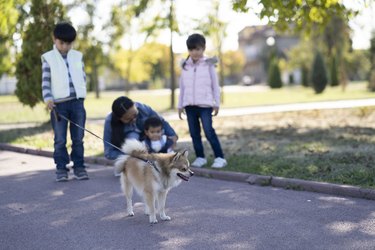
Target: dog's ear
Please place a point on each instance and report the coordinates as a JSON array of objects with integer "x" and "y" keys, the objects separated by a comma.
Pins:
[
  {"x": 176, "y": 156},
  {"x": 185, "y": 153}
]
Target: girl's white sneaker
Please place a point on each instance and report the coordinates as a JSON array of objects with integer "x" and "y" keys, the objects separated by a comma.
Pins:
[
  {"x": 219, "y": 163},
  {"x": 199, "y": 162}
]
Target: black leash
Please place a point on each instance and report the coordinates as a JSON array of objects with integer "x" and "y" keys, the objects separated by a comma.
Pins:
[{"x": 59, "y": 116}]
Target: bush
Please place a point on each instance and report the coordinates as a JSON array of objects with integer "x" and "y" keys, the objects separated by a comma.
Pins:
[
  {"x": 274, "y": 76},
  {"x": 319, "y": 74}
]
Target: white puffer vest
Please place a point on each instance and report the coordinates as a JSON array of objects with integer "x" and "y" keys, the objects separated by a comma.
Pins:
[{"x": 59, "y": 73}]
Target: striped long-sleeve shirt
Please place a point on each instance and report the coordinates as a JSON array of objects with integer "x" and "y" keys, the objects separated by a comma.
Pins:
[{"x": 46, "y": 82}]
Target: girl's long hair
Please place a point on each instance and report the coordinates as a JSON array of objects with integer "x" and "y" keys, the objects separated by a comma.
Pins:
[{"x": 119, "y": 107}]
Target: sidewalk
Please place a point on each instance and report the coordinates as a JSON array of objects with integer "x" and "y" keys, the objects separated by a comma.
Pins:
[
  {"x": 252, "y": 179},
  {"x": 342, "y": 104},
  {"x": 287, "y": 183}
]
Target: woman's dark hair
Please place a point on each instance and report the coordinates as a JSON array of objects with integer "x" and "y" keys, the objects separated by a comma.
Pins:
[
  {"x": 119, "y": 107},
  {"x": 194, "y": 41},
  {"x": 65, "y": 32}
]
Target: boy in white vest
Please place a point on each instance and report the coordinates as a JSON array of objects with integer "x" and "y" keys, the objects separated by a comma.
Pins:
[{"x": 64, "y": 90}]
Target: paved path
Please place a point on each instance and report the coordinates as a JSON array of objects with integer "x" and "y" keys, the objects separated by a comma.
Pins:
[
  {"x": 288, "y": 107},
  {"x": 38, "y": 213}
]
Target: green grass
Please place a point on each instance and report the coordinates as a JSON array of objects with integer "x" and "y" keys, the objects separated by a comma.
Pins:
[
  {"x": 14, "y": 112},
  {"x": 332, "y": 146}
]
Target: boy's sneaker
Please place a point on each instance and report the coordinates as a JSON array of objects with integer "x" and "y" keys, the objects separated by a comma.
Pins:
[
  {"x": 199, "y": 162},
  {"x": 80, "y": 174},
  {"x": 219, "y": 163},
  {"x": 61, "y": 175}
]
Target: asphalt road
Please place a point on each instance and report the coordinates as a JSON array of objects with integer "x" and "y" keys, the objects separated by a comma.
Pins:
[{"x": 38, "y": 213}]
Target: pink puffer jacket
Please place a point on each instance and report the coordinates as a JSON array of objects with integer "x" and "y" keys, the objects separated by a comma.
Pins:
[{"x": 199, "y": 85}]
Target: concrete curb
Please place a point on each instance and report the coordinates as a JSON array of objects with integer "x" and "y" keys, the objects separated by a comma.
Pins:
[{"x": 253, "y": 179}]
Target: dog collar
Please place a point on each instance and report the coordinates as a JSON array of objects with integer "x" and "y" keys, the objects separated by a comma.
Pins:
[{"x": 151, "y": 163}]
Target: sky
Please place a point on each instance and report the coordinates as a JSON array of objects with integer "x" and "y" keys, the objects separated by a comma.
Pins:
[{"x": 362, "y": 25}]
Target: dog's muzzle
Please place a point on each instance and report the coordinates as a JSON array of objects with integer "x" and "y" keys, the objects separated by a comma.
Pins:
[{"x": 184, "y": 177}]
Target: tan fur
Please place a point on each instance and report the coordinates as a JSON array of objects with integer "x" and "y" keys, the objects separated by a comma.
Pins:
[{"x": 152, "y": 182}]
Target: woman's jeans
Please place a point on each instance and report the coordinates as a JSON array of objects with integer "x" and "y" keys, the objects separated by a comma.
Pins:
[
  {"x": 194, "y": 113},
  {"x": 75, "y": 111}
]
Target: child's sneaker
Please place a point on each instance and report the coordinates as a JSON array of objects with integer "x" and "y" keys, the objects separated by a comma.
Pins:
[
  {"x": 199, "y": 162},
  {"x": 219, "y": 163},
  {"x": 80, "y": 174},
  {"x": 61, "y": 175}
]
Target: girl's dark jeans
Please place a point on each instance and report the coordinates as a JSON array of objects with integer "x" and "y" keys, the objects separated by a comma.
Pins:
[{"x": 194, "y": 114}]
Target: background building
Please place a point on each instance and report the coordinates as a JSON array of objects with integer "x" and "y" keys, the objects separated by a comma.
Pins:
[{"x": 258, "y": 44}]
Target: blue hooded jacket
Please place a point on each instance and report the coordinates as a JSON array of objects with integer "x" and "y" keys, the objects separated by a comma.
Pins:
[{"x": 132, "y": 130}]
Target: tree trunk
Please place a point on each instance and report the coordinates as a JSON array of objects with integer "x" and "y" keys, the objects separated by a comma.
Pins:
[{"x": 172, "y": 56}]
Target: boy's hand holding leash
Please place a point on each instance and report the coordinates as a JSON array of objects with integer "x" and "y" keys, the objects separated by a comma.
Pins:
[{"x": 50, "y": 105}]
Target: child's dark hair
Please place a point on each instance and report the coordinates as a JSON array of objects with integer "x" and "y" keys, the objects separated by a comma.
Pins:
[
  {"x": 152, "y": 122},
  {"x": 65, "y": 32},
  {"x": 194, "y": 41},
  {"x": 119, "y": 107}
]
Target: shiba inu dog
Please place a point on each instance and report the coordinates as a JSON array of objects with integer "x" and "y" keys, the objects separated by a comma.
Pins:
[{"x": 151, "y": 175}]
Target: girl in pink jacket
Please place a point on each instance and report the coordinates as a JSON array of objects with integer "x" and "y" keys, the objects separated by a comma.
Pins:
[{"x": 200, "y": 99}]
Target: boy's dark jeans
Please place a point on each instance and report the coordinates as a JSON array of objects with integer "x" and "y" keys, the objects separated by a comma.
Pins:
[
  {"x": 75, "y": 111},
  {"x": 194, "y": 114}
]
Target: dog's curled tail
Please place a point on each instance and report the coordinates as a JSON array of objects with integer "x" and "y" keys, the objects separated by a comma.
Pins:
[{"x": 131, "y": 147}]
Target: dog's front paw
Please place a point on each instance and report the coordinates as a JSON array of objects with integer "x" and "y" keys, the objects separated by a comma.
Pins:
[
  {"x": 153, "y": 220},
  {"x": 130, "y": 214},
  {"x": 165, "y": 217}
]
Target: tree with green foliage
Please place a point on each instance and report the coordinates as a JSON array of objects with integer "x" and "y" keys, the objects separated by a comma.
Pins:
[
  {"x": 274, "y": 76},
  {"x": 358, "y": 65},
  {"x": 152, "y": 23},
  {"x": 233, "y": 63},
  {"x": 90, "y": 46},
  {"x": 9, "y": 17},
  {"x": 214, "y": 28},
  {"x": 304, "y": 15},
  {"x": 37, "y": 39},
  {"x": 124, "y": 24},
  {"x": 148, "y": 63},
  {"x": 319, "y": 78}
]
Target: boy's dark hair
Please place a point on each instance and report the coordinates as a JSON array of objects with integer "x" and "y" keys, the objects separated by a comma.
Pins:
[
  {"x": 195, "y": 41},
  {"x": 65, "y": 32},
  {"x": 119, "y": 108},
  {"x": 152, "y": 122}
]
